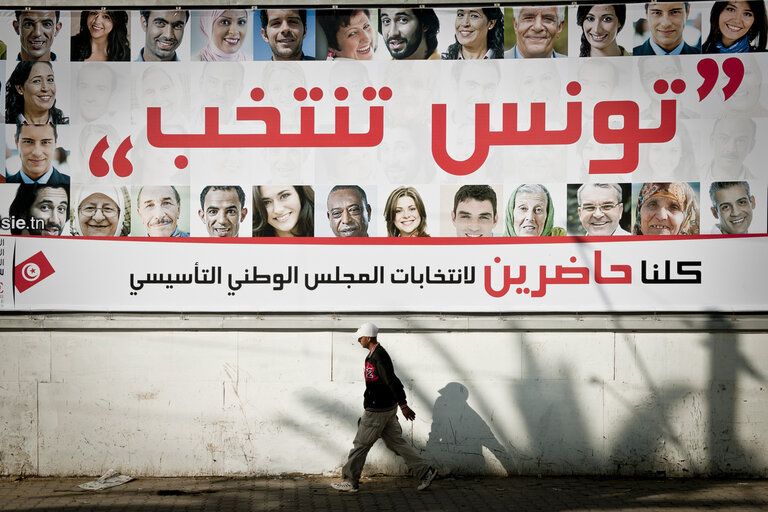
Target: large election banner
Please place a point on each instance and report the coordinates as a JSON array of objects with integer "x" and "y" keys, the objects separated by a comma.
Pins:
[{"x": 499, "y": 159}]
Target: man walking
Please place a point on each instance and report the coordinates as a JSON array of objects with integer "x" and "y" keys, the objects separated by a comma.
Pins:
[{"x": 383, "y": 393}]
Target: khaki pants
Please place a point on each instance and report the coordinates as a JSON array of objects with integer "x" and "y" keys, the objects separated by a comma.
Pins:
[{"x": 375, "y": 425}]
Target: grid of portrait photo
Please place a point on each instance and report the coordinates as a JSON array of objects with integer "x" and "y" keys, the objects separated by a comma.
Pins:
[{"x": 361, "y": 122}]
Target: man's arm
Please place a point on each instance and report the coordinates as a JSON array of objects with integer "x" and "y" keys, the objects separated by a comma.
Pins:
[{"x": 387, "y": 374}]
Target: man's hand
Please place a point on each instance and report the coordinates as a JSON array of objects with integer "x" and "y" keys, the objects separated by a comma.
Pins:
[{"x": 408, "y": 413}]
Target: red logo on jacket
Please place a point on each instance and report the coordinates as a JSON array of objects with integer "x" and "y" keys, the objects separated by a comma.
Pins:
[{"x": 370, "y": 372}]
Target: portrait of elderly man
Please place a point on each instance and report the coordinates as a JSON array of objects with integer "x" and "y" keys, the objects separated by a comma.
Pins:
[
  {"x": 600, "y": 208},
  {"x": 667, "y": 22},
  {"x": 159, "y": 209},
  {"x": 474, "y": 211},
  {"x": 732, "y": 140},
  {"x": 349, "y": 212},
  {"x": 537, "y": 29},
  {"x": 44, "y": 208},
  {"x": 37, "y": 30},
  {"x": 733, "y": 207},
  {"x": 284, "y": 30},
  {"x": 222, "y": 209},
  {"x": 410, "y": 34},
  {"x": 36, "y": 144},
  {"x": 163, "y": 32}
]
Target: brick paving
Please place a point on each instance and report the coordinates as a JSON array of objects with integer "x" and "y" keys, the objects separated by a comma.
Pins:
[{"x": 313, "y": 493}]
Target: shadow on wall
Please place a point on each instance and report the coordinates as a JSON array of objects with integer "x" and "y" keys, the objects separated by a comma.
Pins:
[
  {"x": 668, "y": 426},
  {"x": 459, "y": 434}
]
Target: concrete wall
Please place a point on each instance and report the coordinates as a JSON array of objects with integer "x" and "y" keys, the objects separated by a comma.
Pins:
[{"x": 169, "y": 395}]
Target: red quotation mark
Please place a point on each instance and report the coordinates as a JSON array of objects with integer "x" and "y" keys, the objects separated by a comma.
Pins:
[
  {"x": 100, "y": 167},
  {"x": 31, "y": 271},
  {"x": 733, "y": 68}
]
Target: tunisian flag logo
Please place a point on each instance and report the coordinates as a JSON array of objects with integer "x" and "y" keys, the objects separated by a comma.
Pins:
[{"x": 31, "y": 271}]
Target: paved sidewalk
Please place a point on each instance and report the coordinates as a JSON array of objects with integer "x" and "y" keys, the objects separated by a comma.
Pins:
[{"x": 386, "y": 494}]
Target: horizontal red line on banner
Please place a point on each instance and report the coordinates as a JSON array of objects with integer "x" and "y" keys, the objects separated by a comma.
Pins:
[{"x": 501, "y": 240}]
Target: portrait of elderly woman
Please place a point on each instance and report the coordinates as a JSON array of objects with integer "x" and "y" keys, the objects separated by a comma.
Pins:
[
  {"x": 479, "y": 34},
  {"x": 103, "y": 36},
  {"x": 666, "y": 209},
  {"x": 283, "y": 210},
  {"x": 224, "y": 36},
  {"x": 30, "y": 95},
  {"x": 600, "y": 24},
  {"x": 101, "y": 210},
  {"x": 736, "y": 27},
  {"x": 405, "y": 213},
  {"x": 349, "y": 33},
  {"x": 530, "y": 212}
]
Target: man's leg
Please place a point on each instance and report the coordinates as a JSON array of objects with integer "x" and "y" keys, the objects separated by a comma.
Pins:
[
  {"x": 392, "y": 435},
  {"x": 368, "y": 431}
]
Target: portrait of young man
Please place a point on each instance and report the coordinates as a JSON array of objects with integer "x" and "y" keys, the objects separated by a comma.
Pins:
[
  {"x": 410, "y": 34},
  {"x": 474, "y": 212},
  {"x": 163, "y": 34},
  {"x": 36, "y": 144},
  {"x": 37, "y": 31},
  {"x": 667, "y": 22},
  {"x": 222, "y": 209},
  {"x": 733, "y": 206},
  {"x": 44, "y": 208},
  {"x": 286, "y": 31}
]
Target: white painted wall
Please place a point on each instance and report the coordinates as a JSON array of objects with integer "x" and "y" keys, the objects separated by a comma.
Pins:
[{"x": 581, "y": 399}]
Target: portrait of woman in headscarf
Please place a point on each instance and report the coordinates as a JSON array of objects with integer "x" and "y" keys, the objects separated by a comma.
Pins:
[
  {"x": 530, "y": 212},
  {"x": 666, "y": 209},
  {"x": 225, "y": 35}
]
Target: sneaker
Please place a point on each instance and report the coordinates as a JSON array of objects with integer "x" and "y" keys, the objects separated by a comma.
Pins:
[
  {"x": 427, "y": 479},
  {"x": 346, "y": 486}
]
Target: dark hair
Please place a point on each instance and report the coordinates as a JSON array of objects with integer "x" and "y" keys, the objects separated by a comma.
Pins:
[
  {"x": 757, "y": 32},
  {"x": 581, "y": 15},
  {"x": 236, "y": 188},
  {"x": 495, "y": 39},
  {"x": 476, "y": 192},
  {"x": 717, "y": 186},
  {"x": 19, "y": 13},
  {"x": 356, "y": 188},
  {"x": 264, "y": 15},
  {"x": 305, "y": 225},
  {"x": 25, "y": 198},
  {"x": 118, "y": 48},
  {"x": 145, "y": 14},
  {"x": 331, "y": 20},
  {"x": 14, "y": 102},
  {"x": 19, "y": 126},
  {"x": 687, "y": 5},
  {"x": 427, "y": 18}
]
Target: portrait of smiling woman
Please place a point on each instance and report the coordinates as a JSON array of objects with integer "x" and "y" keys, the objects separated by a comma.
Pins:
[
  {"x": 30, "y": 95},
  {"x": 224, "y": 35},
  {"x": 101, "y": 210},
  {"x": 600, "y": 24},
  {"x": 103, "y": 36},
  {"x": 530, "y": 212},
  {"x": 405, "y": 213},
  {"x": 283, "y": 210},
  {"x": 349, "y": 33},
  {"x": 666, "y": 209},
  {"x": 479, "y": 34},
  {"x": 736, "y": 27}
]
